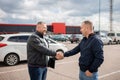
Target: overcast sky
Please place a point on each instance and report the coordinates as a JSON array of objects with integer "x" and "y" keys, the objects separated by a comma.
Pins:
[{"x": 71, "y": 12}]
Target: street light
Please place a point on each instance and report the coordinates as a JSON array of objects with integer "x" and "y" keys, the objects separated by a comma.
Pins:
[
  {"x": 99, "y": 15},
  {"x": 111, "y": 12}
]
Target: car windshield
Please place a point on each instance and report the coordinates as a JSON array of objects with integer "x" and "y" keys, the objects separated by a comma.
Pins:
[
  {"x": 111, "y": 34},
  {"x": 118, "y": 34},
  {"x": 1, "y": 38}
]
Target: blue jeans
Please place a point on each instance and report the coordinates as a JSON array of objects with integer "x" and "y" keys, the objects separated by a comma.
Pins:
[
  {"x": 82, "y": 76},
  {"x": 37, "y": 73}
]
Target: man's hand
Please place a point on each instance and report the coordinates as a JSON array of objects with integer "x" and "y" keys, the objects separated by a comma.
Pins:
[
  {"x": 88, "y": 73},
  {"x": 59, "y": 55}
]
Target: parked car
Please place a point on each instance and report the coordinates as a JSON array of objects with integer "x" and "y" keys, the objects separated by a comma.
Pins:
[
  {"x": 105, "y": 39},
  {"x": 115, "y": 37},
  {"x": 13, "y": 47},
  {"x": 59, "y": 38},
  {"x": 76, "y": 38}
]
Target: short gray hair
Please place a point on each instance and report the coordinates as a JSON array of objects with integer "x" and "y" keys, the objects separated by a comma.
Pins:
[
  {"x": 88, "y": 22},
  {"x": 40, "y": 22}
]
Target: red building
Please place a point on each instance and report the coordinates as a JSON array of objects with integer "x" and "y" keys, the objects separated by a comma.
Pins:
[
  {"x": 59, "y": 28},
  {"x": 56, "y": 28}
]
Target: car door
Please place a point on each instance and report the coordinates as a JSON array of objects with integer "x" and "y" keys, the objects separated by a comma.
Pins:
[
  {"x": 104, "y": 39},
  {"x": 22, "y": 46},
  {"x": 52, "y": 44}
]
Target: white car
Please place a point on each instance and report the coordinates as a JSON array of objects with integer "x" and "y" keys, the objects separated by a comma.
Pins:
[
  {"x": 13, "y": 47},
  {"x": 115, "y": 36},
  {"x": 106, "y": 40}
]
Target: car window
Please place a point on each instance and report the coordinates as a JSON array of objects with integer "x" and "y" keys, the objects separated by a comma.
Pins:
[
  {"x": 18, "y": 38},
  {"x": 13, "y": 39},
  {"x": 118, "y": 34},
  {"x": 111, "y": 34},
  {"x": 23, "y": 38},
  {"x": 1, "y": 38}
]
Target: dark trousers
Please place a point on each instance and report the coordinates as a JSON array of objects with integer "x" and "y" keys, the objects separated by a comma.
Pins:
[{"x": 37, "y": 73}]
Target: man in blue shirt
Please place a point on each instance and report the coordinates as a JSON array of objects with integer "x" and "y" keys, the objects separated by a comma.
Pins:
[{"x": 91, "y": 50}]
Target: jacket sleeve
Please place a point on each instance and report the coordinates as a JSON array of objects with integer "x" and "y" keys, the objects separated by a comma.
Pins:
[
  {"x": 97, "y": 49},
  {"x": 37, "y": 44},
  {"x": 73, "y": 51}
]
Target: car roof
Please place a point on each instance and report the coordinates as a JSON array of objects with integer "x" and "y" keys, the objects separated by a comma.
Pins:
[
  {"x": 114, "y": 32},
  {"x": 17, "y": 34}
]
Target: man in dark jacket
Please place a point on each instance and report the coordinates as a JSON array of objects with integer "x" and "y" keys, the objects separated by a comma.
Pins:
[
  {"x": 38, "y": 53},
  {"x": 91, "y": 49}
]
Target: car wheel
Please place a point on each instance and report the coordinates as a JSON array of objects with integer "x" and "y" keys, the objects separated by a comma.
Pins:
[
  {"x": 59, "y": 50},
  {"x": 11, "y": 59},
  {"x": 119, "y": 42},
  {"x": 110, "y": 42},
  {"x": 71, "y": 41}
]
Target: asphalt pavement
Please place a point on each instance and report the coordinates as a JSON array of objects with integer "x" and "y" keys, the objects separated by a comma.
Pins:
[{"x": 67, "y": 69}]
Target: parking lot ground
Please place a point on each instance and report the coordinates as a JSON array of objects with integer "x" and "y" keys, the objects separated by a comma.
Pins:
[{"x": 67, "y": 69}]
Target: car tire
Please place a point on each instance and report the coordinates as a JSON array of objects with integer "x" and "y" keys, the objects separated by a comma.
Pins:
[
  {"x": 60, "y": 50},
  {"x": 71, "y": 41},
  {"x": 110, "y": 42},
  {"x": 11, "y": 59}
]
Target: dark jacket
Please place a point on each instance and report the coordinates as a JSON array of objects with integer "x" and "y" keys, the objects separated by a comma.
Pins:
[
  {"x": 37, "y": 51},
  {"x": 91, "y": 50}
]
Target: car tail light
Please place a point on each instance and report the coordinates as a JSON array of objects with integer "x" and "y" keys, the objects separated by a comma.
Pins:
[{"x": 2, "y": 45}]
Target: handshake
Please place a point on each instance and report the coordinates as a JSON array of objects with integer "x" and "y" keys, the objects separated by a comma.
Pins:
[{"x": 59, "y": 55}]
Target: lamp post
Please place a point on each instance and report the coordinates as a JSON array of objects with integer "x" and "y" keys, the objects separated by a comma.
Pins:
[
  {"x": 111, "y": 11},
  {"x": 99, "y": 15}
]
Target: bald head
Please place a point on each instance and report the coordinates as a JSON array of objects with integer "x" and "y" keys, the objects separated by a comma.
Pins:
[{"x": 41, "y": 27}]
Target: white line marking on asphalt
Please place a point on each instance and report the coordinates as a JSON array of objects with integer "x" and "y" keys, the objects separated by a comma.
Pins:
[
  {"x": 13, "y": 71},
  {"x": 26, "y": 68},
  {"x": 106, "y": 75},
  {"x": 66, "y": 62}
]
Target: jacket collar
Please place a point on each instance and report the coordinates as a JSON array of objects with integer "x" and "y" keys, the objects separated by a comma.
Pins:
[
  {"x": 39, "y": 34},
  {"x": 90, "y": 35}
]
